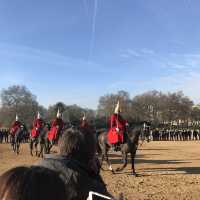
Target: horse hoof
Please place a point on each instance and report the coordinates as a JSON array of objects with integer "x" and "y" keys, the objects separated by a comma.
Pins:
[
  {"x": 103, "y": 169},
  {"x": 134, "y": 174},
  {"x": 118, "y": 169}
]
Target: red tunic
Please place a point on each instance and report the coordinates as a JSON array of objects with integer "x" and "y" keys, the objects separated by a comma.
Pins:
[
  {"x": 116, "y": 121},
  {"x": 37, "y": 124},
  {"x": 15, "y": 126},
  {"x": 56, "y": 126}
]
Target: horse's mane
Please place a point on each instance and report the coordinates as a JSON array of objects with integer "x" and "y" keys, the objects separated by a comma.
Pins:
[{"x": 101, "y": 130}]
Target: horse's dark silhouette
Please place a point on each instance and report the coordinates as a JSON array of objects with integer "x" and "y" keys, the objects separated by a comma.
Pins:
[
  {"x": 130, "y": 145},
  {"x": 41, "y": 140},
  {"x": 49, "y": 144},
  {"x": 16, "y": 139}
]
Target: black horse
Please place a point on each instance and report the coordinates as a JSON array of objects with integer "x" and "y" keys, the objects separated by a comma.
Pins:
[
  {"x": 49, "y": 144},
  {"x": 16, "y": 139},
  {"x": 41, "y": 140},
  {"x": 130, "y": 145}
]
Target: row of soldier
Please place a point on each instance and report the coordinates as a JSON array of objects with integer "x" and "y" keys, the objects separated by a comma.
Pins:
[
  {"x": 4, "y": 135},
  {"x": 175, "y": 134}
]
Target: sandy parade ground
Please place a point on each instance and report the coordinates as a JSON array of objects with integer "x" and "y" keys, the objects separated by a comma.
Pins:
[{"x": 167, "y": 170}]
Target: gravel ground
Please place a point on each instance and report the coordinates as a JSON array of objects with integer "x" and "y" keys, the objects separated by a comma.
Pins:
[{"x": 167, "y": 170}]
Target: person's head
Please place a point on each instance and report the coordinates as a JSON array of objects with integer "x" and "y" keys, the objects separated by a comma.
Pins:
[
  {"x": 31, "y": 183},
  {"x": 77, "y": 145}
]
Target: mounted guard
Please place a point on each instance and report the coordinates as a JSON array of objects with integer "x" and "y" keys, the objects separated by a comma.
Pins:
[
  {"x": 15, "y": 126},
  {"x": 38, "y": 125},
  {"x": 57, "y": 127},
  {"x": 117, "y": 130},
  {"x": 16, "y": 134}
]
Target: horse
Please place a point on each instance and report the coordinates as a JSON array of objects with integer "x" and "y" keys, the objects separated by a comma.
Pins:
[
  {"x": 16, "y": 139},
  {"x": 130, "y": 145},
  {"x": 41, "y": 139},
  {"x": 49, "y": 144}
]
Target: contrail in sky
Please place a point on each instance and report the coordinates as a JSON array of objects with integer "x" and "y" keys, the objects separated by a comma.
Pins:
[
  {"x": 93, "y": 29},
  {"x": 86, "y": 7}
]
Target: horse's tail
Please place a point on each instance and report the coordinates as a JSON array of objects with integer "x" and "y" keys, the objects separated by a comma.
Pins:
[
  {"x": 99, "y": 131},
  {"x": 99, "y": 151}
]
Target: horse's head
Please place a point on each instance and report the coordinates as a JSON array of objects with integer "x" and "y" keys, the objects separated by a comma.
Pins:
[
  {"x": 47, "y": 126},
  {"x": 141, "y": 130}
]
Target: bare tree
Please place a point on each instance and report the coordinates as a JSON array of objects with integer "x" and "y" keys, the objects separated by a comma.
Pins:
[{"x": 18, "y": 100}]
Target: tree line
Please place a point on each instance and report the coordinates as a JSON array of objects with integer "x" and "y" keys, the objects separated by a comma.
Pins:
[{"x": 152, "y": 106}]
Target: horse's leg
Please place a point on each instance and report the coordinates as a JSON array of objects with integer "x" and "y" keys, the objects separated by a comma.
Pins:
[
  {"x": 124, "y": 156},
  {"x": 102, "y": 159},
  {"x": 45, "y": 146},
  {"x": 41, "y": 144},
  {"x": 31, "y": 146},
  {"x": 48, "y": 146},
  {"x": 133, "y": 153},
  {"x": 17, "y": 145},
  {"x": 14, "y": 144},
  {"x": 105, "y": 153},
  {"x": 100, "y": 149},
  {"x": 41, "y": 149},
  {"x": 36, "y": 144}
]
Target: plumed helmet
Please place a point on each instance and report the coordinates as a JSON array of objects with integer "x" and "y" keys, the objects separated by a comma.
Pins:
[
  {"x": 16, "y": 118},
  {"x": 117, "y": 108},
  {"x": 38, "y": 115},
  {"x": 84, "y": 116},
  {"x": 58, "y": 114}
]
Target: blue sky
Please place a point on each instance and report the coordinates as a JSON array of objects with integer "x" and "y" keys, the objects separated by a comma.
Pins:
[{"x": 78, "y": 50}]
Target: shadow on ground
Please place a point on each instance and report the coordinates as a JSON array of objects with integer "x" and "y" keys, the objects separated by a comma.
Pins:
[{"x": 116, "y": 160}]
